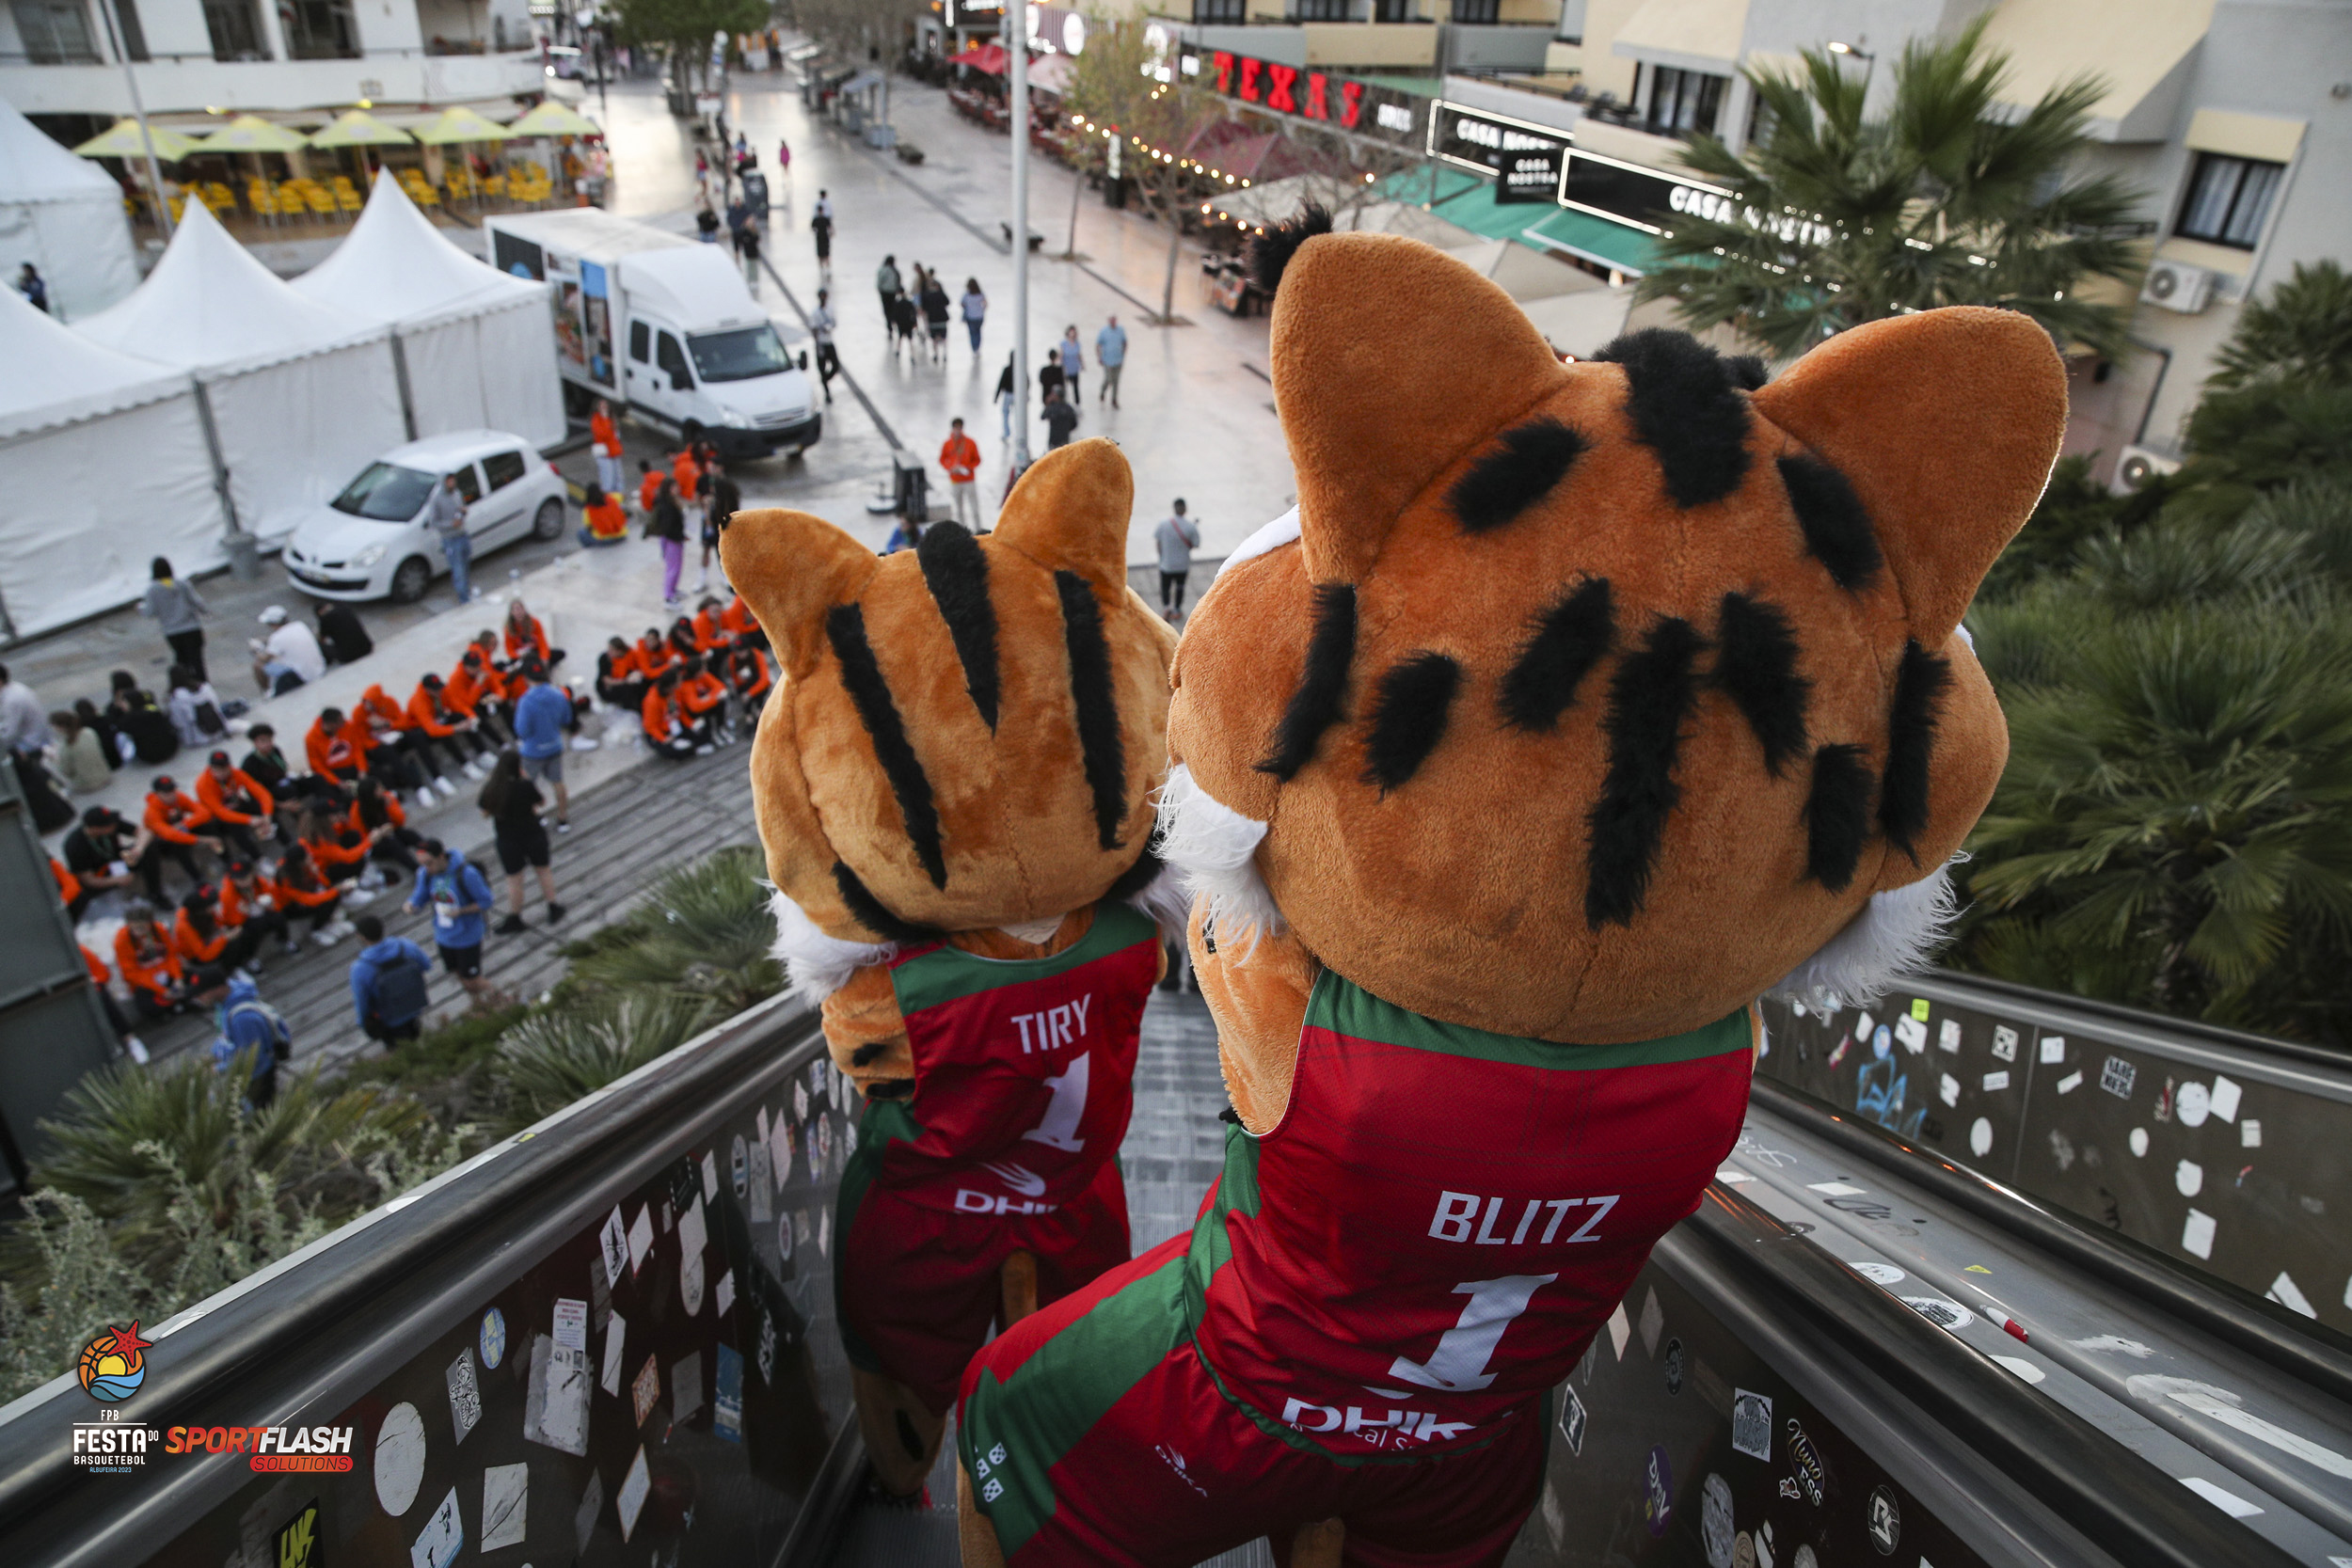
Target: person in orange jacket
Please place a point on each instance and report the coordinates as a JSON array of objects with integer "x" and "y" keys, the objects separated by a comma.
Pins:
[
  {"x": 394, "y": 729},
  {"x": 251, "y": 903},
  {"x": 605, "y": 436},
  {"x": 739, "y": 623},
  {"x": 172, "y": 820},
  {"x": 747, "y": 670},
  {"x": 307, "y": 894},
  {"x": 475, "y": 692},
  {"x": 665, "y": 731},
  {"x": 439, "y": 720},
  {"x": 236, "y": 800},
  {"x": 210, "y": 949},
  {"x": 69, "y": 889},
  {"x": 702, "y": 697},
  {"x": 524, "y": 634},
  {"x": 98, "y": 974},
  {"x": 710, "y": 633},
  {"x": 340, "y": 852},
  {"x": 159, "y": 987},
  {"x": 960, "y": 456},
  {"x": 373, "y": 807},
  {"x": 649, "y": 486},
  {"x": 620, "y": 680},
  {"x": 689, "y": 474},
  {"x": 331, "y": 750},
  {"x": 653, "y": 653}
]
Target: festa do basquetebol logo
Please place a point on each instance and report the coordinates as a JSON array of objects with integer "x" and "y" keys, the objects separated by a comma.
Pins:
[{"x": 113, "y": 1367}]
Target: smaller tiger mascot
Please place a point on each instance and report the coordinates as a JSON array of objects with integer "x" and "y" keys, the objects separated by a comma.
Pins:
[
  {"x": 1576, "y": 707},
  {"x": 953, "y": 784}
]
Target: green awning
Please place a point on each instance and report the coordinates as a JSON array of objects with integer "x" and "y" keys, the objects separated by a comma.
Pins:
[
  {"x": 1417, "y": 86},
  {"x": 1430, "y": 182},
  {"x": 1480, "y": 212},
  {"x": 1611, "y": 244}
]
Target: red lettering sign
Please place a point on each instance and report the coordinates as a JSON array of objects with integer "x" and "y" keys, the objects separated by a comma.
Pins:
[
  {"x": 1249, "y": 69},
  {"x": 1317, "y": 108},
  {"x": 1224, "y": 71},
  {"x": 1351, "y": 102},
  {"x": 1279, "y": 79}
]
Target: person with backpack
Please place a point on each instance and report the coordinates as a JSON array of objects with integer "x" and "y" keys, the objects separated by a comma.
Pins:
[
  {"x": 460, "y": 898},
  {"x": 195, "y": 709},
  {"x": 249, "y": 1024},
  {"x": 388, "y": 984}
]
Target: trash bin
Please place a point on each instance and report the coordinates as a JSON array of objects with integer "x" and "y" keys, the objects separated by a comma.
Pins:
[
  {"x": 755, "y": 191},
  {"x": 914, "y": 487},
  {"x": 244, "y": 555},
  {"x": 881, "y": 135}
]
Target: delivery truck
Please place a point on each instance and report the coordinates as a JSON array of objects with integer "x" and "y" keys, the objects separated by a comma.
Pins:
[{"x": 663, "y": 326}]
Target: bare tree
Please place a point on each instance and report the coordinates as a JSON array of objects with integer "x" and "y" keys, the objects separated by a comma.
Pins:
[{"x": 1116, "y": 97}]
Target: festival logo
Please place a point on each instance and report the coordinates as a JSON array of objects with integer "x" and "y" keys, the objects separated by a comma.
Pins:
[{"x": 112, "y": 1368}]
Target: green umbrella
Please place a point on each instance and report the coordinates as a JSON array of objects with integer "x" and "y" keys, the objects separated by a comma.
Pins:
[
  {"x": 461, "y": 126},
  {"x": 252, "y": 133},
  {"x": 551, "y": 119},
  {"x": 359, "y": 128},
  {"x": 122, "y": 141}
]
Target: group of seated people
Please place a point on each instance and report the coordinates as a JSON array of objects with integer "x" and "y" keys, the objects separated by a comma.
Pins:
[
  {"x": 680, "y": 683},
  {"x": 296, "y": 843}
]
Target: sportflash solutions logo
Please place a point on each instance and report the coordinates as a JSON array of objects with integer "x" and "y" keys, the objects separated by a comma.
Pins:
[{"x": 112, "y": 1368}]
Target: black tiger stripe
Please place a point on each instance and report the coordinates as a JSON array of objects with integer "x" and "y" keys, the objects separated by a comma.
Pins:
[
  {"x": 1836, "y": 815},
  {"x": 1755, "y": 664},
  {"x": 1137, "y": 876},
  {"x": 955, "y": 569},
  {"x": 1686, "y": 405},
  {"x": 1091, "y": 690},
  {"x": 1919, "y": 688},
  {"x": 1570, "y": 637},
  {"x": 844, "y": 627},
  {"x": 872, "y": 913},
  {"x": 1520, "y": 471},
  {"x": 1650, "y": 698},
  {"x": 1836, "y": 525},
  {"x": 1315, "y": 706},
  {"x": 1408, "y": 715}
]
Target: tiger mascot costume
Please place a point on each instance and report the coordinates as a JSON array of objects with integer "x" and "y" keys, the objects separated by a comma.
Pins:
[
  {"x": 1574, "y": 708},
  {"x": 954, "y": 788}
]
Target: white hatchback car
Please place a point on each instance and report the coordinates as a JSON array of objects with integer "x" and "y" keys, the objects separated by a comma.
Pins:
[{"x": 372, "y": 543}]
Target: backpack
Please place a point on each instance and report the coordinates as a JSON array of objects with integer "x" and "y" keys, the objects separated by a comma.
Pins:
[
  {"x": 399, "y": 993},
  {"x": 280, "y": 1039}
]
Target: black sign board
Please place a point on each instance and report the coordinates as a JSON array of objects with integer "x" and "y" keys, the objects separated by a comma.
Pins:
[
  {"x": 1524, "y": 159},
  {"x": 1649, "y": 200}
]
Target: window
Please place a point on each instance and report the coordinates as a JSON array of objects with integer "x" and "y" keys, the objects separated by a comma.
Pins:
[
  {"x": 639, "y": 342},
  {"x": 2227, "y": 199},
  {"x": 134, "y": 33},
  {"x": 1221, "y": 11},
  {"x": 744, "y": 353},
  {"x": 1478, "y": 13},
  {"x": 384, "y": 493},
  {"x": 468, "y": 485},
  {"x": 54, "y": 32},
  {"x": 1319, "y": 10},
  {"x": 501, "y": 470},
  {"x": 1683, "y": 102},
  {"x": 673, "y": 362},
  {"x": 236, "y": 30},
  {"x": 1394, "y": 10},
  {"x": 319, "y": 29}
]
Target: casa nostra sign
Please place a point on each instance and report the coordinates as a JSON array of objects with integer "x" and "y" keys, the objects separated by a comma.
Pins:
[
  {"x": 1524, "y": 159},
  {"x": 1648, "y": 200}
]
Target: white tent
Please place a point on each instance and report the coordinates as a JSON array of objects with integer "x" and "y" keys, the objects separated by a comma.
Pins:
[
  {"x": 303, "y": 395},
  {"x": 62, "y": 214},
  {"x": 480, "y": 345},
  {"x": 108, "y": 468}
]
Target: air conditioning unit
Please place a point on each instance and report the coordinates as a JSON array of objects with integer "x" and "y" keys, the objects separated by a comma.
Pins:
[
  {"x": 2177, "y": 286},
  {"x": 2139, "y": 465}
]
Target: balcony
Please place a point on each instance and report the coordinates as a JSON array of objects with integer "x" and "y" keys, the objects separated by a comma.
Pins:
[
  {"x": 170, "y": 83},
  {"x": 1409, "y": 46}
]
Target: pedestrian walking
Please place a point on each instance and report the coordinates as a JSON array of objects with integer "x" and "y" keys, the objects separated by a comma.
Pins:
[
  {"x": 935, "y": 307},
  {"x": 668, "y": 524},
  {"x": 747, "y": 241},
  {"x": 461, "y": 901},
  {"x": 33, "y": 287},
  {"x": 887, "y": 287},
  {"x": 445, "y": 515},
  {"x": 784, "y": 157},
  {"x": 1073, "y": 362},
  {"x": 975, "y": 305},
  {"x": 721, "y": 499},
  {"x": 1050, "y": 375},
  {"x": 1110, "y": 352},
  {"x": 820, "y": 225},
  {"x": 960, "y": 456},
  {"x": 248, "y": 1023},
  {"x": 388, "y": 984},
  {"x": 289, "y": 657},
  {"x": 1004, "y": 397},
  {"x": 705, "y": 225},
  {"x": 513, "y": 803},
  {"x": 542, "y": 716},
  {"x": 178, "y": 610},
  {"x": 1178, "y": 536},
  {"x": 820, "y": 328},
  {"x": 1061, "y": 416},
  {"x": 605, "y": 436}
]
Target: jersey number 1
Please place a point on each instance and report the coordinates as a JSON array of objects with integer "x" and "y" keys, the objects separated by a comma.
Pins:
[
  {"x": 1060, "y": 1126},
  {"x": 1459, "y": 1365}
]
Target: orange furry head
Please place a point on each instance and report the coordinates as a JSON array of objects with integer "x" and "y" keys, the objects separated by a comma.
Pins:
[
  {"x": 1594, "y": 699},
  {"x": 968, "y": 733}
]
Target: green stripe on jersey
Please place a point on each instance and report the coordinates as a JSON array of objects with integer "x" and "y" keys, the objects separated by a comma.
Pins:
[
  {"x": 886, "y": 1122},
  {"x": 948, "y": 973},
  {"x": 1344, "y": 1007},
  {"x": 1012, "y": 1434}
]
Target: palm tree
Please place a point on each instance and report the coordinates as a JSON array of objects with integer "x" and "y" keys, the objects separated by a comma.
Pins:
[
  {"x": 2302, "y": 332},
  {"x": 1947, "y": 201}
]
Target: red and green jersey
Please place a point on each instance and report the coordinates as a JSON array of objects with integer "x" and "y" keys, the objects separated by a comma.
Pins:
[
  {"x": 1023, "y": 1068},
  {"x": 1443, "y": 1218}
]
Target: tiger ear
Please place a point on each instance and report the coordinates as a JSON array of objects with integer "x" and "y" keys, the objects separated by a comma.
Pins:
[
  {"x": 1390, "y": 360},
  {"x": 792, "y": 568},
  {"x": 1947, "y": 425},
  {"x": 1069, "y": 511}
]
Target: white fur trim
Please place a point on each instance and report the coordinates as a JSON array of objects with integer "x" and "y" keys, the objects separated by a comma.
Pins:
[
  {"x": 817, "y": 965},
  {"x": 1213, "y": 849},
  {"x": 1034, "y": 932},
  {"x": 1166, "y": 901},
  {"x": 1282, "y": 530},
  {"x": 1895, "y": 935}
]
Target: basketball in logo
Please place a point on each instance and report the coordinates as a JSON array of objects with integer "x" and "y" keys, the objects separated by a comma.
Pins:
[{"x": 111, "y": 1368}]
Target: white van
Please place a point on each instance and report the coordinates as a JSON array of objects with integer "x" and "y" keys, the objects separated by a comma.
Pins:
[{"x": 665, "y": 326}]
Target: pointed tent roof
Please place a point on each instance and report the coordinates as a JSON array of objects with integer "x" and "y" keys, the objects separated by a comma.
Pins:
[
  {"x": 34, "y": 169},
  {"x": 50, "y": 375},
  {"x": 210, "y": 306},
  {"x": 395, "y": 266}
]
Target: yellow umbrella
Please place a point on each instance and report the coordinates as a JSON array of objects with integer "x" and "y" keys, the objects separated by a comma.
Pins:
[
  {"x": 551, "y": 119},
  {"x": 461, "y": 126},
  {"x": 359, "y": 128},
  {"x": 252, "y": 133},
  {"x": 122, "y": 141}
]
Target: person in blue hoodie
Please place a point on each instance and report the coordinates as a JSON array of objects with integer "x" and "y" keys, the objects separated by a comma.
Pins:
[
  {"x": 387, "y": 987},
  {"x": 458, "y": 894},
  {"x": 248, "y": 1023}
]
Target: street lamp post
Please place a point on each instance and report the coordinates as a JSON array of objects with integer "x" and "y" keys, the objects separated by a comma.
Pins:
[
  {"x": 1870, "y": 63},
  {"x": 1017, "y": 24}
]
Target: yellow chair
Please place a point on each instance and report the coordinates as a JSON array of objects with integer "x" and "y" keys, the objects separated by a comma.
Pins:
[
  {"x": 321, "y": 202},
  {"x": 346, "y": 197},
  {"x": 178, "y": 204},
  {"x": 494, "y": 185},
  {"x": 425, "y": 195}
]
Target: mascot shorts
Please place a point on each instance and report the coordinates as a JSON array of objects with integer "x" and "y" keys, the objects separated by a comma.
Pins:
[
  {"x": 919, "y": 1289},
  {"x": 1093, "y": 1433}
]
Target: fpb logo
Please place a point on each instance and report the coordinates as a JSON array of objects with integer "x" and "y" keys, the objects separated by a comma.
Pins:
[{"x": 111, "y": 1368}]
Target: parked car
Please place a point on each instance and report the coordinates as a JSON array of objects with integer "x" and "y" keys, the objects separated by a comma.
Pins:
[{"x": 370, "y": 542}]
